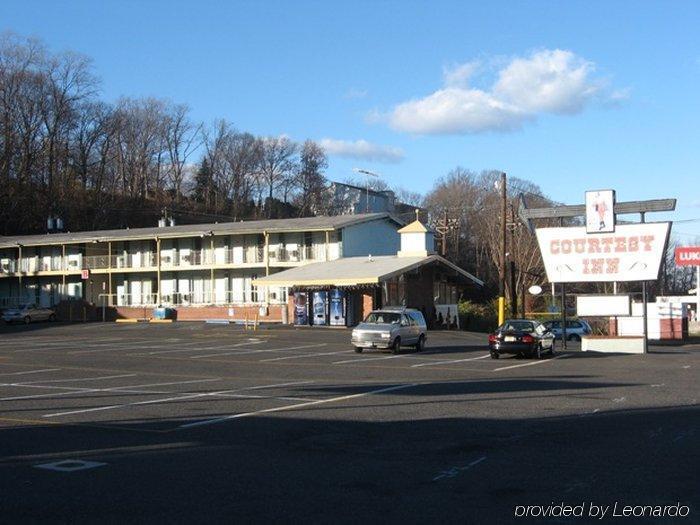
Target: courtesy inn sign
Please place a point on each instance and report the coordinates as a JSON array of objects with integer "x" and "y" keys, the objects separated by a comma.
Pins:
[{"x": 632, "y": 253}]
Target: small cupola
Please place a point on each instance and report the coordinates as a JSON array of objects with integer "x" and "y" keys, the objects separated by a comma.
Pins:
[{"x": 416, "y": 240}]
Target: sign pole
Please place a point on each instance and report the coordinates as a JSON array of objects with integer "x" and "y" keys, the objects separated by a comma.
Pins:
[
  {"x": 697, "y": 292},
  {"x": 645, "y": 318},
  {"x": 563, "y": 315}
]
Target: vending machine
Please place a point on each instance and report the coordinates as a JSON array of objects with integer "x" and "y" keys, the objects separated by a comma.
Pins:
[
  {"x": 301, "y": 313},
  {"x": 337, "y": 310},
  {"x": 320, "y": 301}
]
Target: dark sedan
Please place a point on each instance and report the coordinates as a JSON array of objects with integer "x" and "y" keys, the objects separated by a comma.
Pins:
[{"x": 521, "y": 337}]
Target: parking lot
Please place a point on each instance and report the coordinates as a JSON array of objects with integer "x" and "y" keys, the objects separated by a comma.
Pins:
[{"x": 198, "y": 422}]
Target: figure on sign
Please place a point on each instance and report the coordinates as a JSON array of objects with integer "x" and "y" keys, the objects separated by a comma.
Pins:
[{"x": 600, "y": 208}]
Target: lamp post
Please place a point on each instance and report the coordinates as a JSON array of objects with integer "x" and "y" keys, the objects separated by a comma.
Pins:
[{"x": 369, "y": 174}]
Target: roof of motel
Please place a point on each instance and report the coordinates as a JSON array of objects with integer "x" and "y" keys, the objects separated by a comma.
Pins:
[
  {"x": 303, "y": 224},
  {"x": 352, "y": 271}
]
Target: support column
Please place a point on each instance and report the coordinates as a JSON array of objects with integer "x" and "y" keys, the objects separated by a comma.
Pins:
[
  {"x": 64, "y": 269},
  {"x": 158, "y": 296},
  {"x": 328, "y": 242},
  {"x": 19, "y": 274},
  {"x": 109, "y": 273},
  {"x": 211, "y": 271},
  {"x": 266, "y": 255}
]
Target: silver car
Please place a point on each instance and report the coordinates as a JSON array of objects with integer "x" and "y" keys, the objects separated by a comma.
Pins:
[
  {"x": 26, "y": 313},
  {"x": 389, "y": 328}
]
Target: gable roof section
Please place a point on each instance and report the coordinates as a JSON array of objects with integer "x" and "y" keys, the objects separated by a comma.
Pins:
[
  {"x": 304, "y": 224},
  {"x": 351, "y": 271}
]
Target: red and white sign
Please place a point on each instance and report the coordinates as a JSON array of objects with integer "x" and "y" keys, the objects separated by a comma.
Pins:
[
  {"x": 85, "y": 274},
  {"x": 688, "y": 256},
  {"x": 632, "y": 253}
]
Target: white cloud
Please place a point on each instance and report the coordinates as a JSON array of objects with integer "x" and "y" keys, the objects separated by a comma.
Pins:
[
  {"x": 546, "y": 82},
  {"x": 362, "y": 150},
  {"x": 354, "y": 93},
  {"x": 458, "y": 75}
]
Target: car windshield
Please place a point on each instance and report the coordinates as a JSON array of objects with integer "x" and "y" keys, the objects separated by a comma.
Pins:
[
  {"x": 518, "y": 326},
  {"x": 383, "y": 318}
]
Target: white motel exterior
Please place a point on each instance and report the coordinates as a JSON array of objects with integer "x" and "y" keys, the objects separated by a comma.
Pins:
[{"x": 202, "y": 271}]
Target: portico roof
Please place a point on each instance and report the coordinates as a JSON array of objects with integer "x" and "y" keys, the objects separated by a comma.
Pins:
[{"x": 353, "y": 271}]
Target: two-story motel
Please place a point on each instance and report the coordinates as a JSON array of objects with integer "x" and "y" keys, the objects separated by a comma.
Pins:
[{"x": 203, "y": 271}]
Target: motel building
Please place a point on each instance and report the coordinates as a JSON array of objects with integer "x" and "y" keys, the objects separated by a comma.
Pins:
[{"x": 227, "y": 271}]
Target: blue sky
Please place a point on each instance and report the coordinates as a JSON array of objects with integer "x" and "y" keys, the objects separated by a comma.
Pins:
[{"x": 570, "y": 95}]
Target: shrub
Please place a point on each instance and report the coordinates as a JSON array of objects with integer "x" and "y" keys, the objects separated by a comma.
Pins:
[{"x": 477, "y": 317}]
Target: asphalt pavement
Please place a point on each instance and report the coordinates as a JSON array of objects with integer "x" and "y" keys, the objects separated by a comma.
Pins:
[{"x": 197, "y": 423}]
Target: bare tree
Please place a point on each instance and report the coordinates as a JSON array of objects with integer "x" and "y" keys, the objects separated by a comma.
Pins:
[
  {"x": 310, "y": 179},
  {"x": 277, "y": 165}
]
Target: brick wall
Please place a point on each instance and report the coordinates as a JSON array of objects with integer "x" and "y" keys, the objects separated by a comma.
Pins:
[
  {"x": 367, "y": 304},
  {"x": 202, "y": 313}
]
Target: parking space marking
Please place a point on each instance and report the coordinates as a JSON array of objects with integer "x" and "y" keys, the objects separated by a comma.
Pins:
[
  {"x": 531, "y": 363},
  {"x": 292, "y": 407},
  {"x": 300, "y": 356},
  {"x": 64, "y": 346},
  {"x": 368, "y": 359},
  {"x": 193, "y": 343},
  {"x": 76, "y": 379},
  {"x": 450, "y": 362},
  {"x": 181, "y": 397},
  {"x": 267, "y": 350},
  {"x": 31, "y": 372},
  {"x": 79, "y": 390}
]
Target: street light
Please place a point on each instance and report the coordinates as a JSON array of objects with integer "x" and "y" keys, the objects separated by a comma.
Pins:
[{"x": 369, "y": 174}]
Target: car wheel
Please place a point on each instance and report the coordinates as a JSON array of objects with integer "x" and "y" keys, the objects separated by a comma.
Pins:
[
  {"x": 52, "y": 318},
  {"x": 574, "y": 337},
  {"x": 494, "y": 355},
  {"x": 420, "y": 345},
  {"x": 27, "y": 319},
  {"x": 396, "y": 347},
  {"x": 358, "y": 350}
]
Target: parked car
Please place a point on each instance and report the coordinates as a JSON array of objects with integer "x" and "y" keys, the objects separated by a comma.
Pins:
[
  {"x": 391, "y": 328},
  {"x": 26, "y": 313},
  {"x": 574, "y": 329},
  {"x": 522, "y": 337}
]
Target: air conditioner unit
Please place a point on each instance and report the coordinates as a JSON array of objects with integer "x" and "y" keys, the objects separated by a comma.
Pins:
[
  {"x": 166, "y": 259},
  {"x": 72, "y": 263}
]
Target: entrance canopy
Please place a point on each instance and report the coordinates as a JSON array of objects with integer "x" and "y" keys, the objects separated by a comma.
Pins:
[{"x": 354, "y": 271}]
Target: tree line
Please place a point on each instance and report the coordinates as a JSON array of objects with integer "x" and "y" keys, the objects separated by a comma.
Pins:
[{"x": 66, "y": 152}]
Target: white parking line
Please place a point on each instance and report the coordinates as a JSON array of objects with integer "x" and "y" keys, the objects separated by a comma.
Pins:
[
  {"x": 74, "y": 344},
  {"x": 369, "y": 359},
  {"x": 450, "y": 362},
  {"x": 77, "y": 390},
  {"x": 300, "y": 356},
  {"x": 76, "y": 379},
  {"x": 31, "y": 372},
  {"x": 532, "y": 363},
  {"x": 175, "y": 398},
  {"x": 222, "y": 347},
  {"x": 266, "y": 350},
  {"x": 292, "y": 407}
]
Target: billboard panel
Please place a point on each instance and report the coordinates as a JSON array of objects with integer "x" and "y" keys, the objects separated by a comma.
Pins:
[
  {"x": 632, "y": 253},
  {"x": 688, "y": 256},
  {"x": 600, "y": 215},
  {"x": 603, "y": 305}
]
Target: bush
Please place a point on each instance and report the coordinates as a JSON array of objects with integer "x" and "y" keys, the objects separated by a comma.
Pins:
[{"x": 477, "y": 317}]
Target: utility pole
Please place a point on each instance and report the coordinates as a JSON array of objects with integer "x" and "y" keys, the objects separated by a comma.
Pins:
[
  {"x": 444, "y": 228},
  {"x": 502, "y": 276}
]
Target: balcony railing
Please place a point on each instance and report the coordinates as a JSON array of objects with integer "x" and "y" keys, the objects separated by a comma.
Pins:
[
  {"x": 300, "y": 254},
  {"x": 173, "y": 259}
]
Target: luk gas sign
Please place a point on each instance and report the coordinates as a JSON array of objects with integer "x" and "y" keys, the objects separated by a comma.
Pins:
[
  {"x": 632, "y": 253},
  {"x": 688, "y": 256}
]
